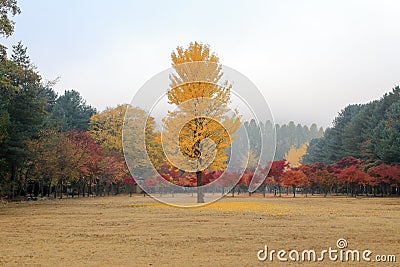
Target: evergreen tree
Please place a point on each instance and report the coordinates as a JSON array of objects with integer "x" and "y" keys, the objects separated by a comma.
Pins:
[
  {"x": 70, "y": 111},
  {"x": 369, "y": 132}
]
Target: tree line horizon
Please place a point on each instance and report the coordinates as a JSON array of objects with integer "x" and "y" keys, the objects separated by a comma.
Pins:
[
  {"x": 58, "y": 145},
  {"x": 68, "y": 147}
]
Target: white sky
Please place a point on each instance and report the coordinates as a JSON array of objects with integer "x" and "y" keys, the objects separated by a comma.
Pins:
[{"x": 309, "y": 58}]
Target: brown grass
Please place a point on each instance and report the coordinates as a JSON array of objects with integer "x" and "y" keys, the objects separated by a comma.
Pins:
[{"x": 137, "y": 231}]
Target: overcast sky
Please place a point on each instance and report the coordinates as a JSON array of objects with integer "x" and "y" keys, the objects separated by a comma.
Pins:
[{"x": 309, "y": 58}]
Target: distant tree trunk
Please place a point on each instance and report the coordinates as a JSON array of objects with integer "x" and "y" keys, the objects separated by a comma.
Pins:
[
  {"x": 294, "y": 191},
  {"x": 98, "y": 187},
  {"x": 49, "y": 189},
  {"x": 61, "y": 188},
  {"x": 42, "y": 189},
  {"x": 13, "y": 173},
  {"x": 263, "y": 189},
  {"x": 117, "y": 188},
  {"x": 200, "y": 195}
]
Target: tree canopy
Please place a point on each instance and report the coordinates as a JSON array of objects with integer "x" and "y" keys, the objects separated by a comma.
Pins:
[
  {"x": 369, "y": 132},
  {"x": 199, "y": 132}
]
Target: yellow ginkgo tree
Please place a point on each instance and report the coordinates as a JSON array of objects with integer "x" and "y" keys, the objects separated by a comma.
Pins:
[
  {"x": 294, "y": 156},
  {"x": 199, "y": 131},
  {"x": 106, "y": 128}
]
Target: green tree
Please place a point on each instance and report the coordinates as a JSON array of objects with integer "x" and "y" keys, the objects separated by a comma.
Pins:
[
  {"x": 369, "y": 132},
  {"x": 387, "y": 136},
  {"x": 70, "y": 112},
  {"x": 22, "y": 110},
  {"x": 8, "y": 8}
]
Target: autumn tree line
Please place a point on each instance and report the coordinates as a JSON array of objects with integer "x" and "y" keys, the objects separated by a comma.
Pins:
[
  {"x": 359, "y": 155},
  {"x": 348, "y": 176},
  {"x": 59, "y": 145},
  {"x": 48, "y": 142},
  {"x": 44, "y": 138}
]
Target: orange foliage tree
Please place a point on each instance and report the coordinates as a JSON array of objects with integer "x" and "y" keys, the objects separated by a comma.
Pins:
[{"x": 295, "y": 179}]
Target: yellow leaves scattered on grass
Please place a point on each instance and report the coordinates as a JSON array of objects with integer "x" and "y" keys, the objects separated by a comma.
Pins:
[
  {"x": 258, "y": 207},
  {"x": 275, "y": 209}
]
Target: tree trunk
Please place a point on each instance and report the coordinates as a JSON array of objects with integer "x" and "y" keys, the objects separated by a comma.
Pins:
[
  {"x": 98, "y": 188},
  {"x": 13, "y": 170},
  {"x": 200, "y": 195},
  {"x": 61, "y": 189},
  {"x": 294, "y": 191},
  {"x": 49, "y": 189},
  {"x": 41, "y": 189},
  {"x": 117, "y": 188}
]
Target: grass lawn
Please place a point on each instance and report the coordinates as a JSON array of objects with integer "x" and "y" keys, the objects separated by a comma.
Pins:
[{"x": 138, "y": 231}]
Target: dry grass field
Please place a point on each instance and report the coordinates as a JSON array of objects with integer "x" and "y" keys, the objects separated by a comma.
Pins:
[{"x": 138, "y": 231}]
